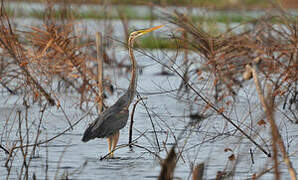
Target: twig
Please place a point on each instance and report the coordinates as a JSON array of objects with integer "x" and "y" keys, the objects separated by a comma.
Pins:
[
  {"x": 37, "y": 133},
  {"x": 47, "y": 159},
  {"x": 131, "y": 122},
  {"x": 257, "y": 176},
  {"x": 60, "y": 161},
  {"x": 5, "y": 150},
  {"x": 151, "y": 152},
  {"x": 69, "y": 123},
  {"x": 150, "y": 121},
  {"x": 7, "y": 88},
  {"x": 223, "y": 115},
  {"x": 54, "y": 137},
  {"x": 122, "y": 146},
  {"x": 118, "y": 147},
  {"x": 210, "y": 104},
  {"x": 251, "y": 156}
]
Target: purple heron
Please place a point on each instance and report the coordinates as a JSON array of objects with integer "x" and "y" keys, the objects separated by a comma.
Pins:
[{"x": 114, "y": 118}]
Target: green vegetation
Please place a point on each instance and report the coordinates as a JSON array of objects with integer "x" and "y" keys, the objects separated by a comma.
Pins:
[
  {"x": 73, "y": 13},
  {"x": 127, "y": 12},
  {"x": 222, "y": 18},
  {"x": 151, "y": 42},
  {"x": 217, "y": 4}
]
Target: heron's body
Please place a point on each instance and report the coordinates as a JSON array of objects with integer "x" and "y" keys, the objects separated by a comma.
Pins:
[{"x": 109, "y": 122}]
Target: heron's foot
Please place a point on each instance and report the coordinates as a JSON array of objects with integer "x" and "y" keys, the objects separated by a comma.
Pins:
[
  {"x": 111, "y": 156},
  {"x": 108, "y": 156}
]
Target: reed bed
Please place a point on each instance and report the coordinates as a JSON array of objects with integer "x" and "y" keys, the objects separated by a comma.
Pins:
[
  {"x": 224, "y": 70},
  {"x": 264, "y": 51}
]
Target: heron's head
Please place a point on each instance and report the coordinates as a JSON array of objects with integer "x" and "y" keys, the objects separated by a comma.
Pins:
[{"x": 138, "y": 33}]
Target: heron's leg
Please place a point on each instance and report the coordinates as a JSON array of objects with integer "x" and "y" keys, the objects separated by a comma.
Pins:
[
  {"x": 110, "y": 141},
  {"x": 115, "y": 141}
]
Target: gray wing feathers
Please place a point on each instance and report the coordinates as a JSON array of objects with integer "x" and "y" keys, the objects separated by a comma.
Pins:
[
  {"x": 110, "y": 121},
  {"x": 113, "y": 124}
]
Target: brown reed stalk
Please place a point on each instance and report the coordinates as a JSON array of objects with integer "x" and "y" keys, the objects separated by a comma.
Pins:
[
  {"x": 168, "y": 166},
  {"x": 226, "y": 54},
  {"x": 198, "y": 172},
  {"x": 100, "y": 73},
  {"x": 14, "y": 48},
  {"x": 276, "y": 137}
]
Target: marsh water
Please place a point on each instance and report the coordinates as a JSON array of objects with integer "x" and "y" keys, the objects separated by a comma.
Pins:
[
  {"x": 68, "y": 153},
  {"x": 169, "y": 111}
]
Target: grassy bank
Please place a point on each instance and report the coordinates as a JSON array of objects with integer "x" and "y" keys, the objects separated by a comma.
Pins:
[
  {"x": 151, "y": 42},
  {"x": 126, "y": 12},
  {"x": 222, "y": 4}
]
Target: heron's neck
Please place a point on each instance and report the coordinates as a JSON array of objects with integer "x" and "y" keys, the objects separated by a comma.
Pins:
[{"x": 134, "y": 67}]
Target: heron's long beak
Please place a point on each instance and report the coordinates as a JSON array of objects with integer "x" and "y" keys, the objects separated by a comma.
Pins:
[{"x": 151, "y": 29}]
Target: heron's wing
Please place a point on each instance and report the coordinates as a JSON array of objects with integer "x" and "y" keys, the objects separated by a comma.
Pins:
[
  {"x": 113, "y": 123},
  {"x": 110, "y": 121}
]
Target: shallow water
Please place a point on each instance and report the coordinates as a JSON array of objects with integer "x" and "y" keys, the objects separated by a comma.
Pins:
[{"x": 139, "y": 163}]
